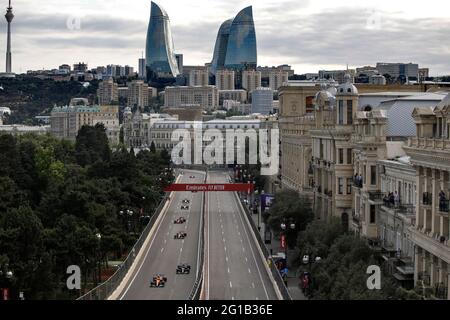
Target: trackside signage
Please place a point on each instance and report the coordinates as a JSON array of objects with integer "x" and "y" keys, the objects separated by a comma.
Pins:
[{"x": 236, "y": 187}]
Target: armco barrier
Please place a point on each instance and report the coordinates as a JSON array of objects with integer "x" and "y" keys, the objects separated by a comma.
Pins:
[
  {"x": 196, "y": 290},
  {"x": 103, "y": 291}
]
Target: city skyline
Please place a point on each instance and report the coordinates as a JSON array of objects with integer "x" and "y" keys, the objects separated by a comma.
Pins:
[{"x": 304, "y": 34}]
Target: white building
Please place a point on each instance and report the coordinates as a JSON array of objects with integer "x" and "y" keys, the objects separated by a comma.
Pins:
[{"x": 262, "y": 101}]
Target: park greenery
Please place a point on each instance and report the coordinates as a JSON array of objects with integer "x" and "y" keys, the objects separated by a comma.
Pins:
[
  {"x": 65, "y": 203},
  {"x": 343, "y": 257},
  {"x": 29, "y": 97}
]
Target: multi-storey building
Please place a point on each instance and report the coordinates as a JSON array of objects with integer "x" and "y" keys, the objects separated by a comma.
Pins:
[
  {"x": 198, "y": 78},
  {"x": 262, "y": 101},
  {"x": 225, "y": 79},
  {"x": 277, "y": 79},
  {"x": 235, "y": 95},
  {"x": 66, "y": 121},
  {"x": 430, "y": 155},
  {"x": 107, "y": 92},
  {"x": 332, "y": 160},
  {"x": 139, "y": 94},
  {"x": 394, "y": 218},
  {"x": 296, "y": 120},
  {"x": 207, "y": 97},
  {"x": 251, "y": 80}
]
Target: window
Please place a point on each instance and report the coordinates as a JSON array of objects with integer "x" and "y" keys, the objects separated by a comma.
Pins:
[
  {"x": 341, "y": 185},
  {"x": 349, "y": 185},
  {"x": 341, "y": 156},
  {"x": 349, "y": 111},
  {"x": 372, "y": 214},
  {"x": 341, "y": 112},
  {"x": 349, "y": 156},
  {"x": 373, "y": 175}
]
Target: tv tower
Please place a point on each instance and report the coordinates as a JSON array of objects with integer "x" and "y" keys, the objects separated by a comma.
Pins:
[{"x": 9, "y": 18}]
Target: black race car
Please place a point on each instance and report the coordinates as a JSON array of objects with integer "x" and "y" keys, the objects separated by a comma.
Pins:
[
  {"x": 192, "y": 177},
  {"x": 186, "y": 201},
  {"x": 180, "y": 220},
  {"x": 158, "y": 281},
  {"x": 184, "y": 207},
  {"x": 184, "y": 269},
  {"x": 180, "y": 236}
]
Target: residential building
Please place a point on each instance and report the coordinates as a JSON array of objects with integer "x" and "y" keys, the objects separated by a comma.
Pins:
[
  {"x": 207, "y": 97},
  {"x": 429, "y": 152},
  {"x": 180, "y": 62},
  {"x": 265, "y": 71},
  {"x": 109, "y": 117},
  {"x": 277, "y": 79},
  {"x": 296, "y": 119},
  {"x": 332, "y": 158},
  {"x": 397, "y": 177},
  {"x": 198, "y": 78},
  {"x": 107, "y": 92},
  {"x": 138, "y": 94},
  {"x": 225, "y": 79},
  {"x": 80, "y": 67},
  {"x": 251, "y": 80}
]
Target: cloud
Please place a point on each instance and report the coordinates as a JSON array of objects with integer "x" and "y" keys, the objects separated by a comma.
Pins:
[{"x": 287, "y": 32}]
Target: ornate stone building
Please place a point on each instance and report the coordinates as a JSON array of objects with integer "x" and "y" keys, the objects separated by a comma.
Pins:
[
  {"x": 332, "y": 151},
  {"x": 430, "y": 155}
]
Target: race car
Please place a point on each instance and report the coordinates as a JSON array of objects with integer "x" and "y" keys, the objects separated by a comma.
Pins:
[
  {"x": 184, "y": 269},
  {"x": 184, "y": 207},
  {"x": 180, "y": 221},
  {"x": 158, "y": 281},
  {"x": 192, "y": 177},
  {"x": 186, "y": 201},
  {"x": 180, "y": 236}
]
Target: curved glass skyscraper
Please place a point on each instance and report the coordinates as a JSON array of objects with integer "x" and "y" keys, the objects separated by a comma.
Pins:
[
  {"x": 220, "y": 50},
  {"x": 161, "y": 61},
  {"x": 240, "y": 51}
]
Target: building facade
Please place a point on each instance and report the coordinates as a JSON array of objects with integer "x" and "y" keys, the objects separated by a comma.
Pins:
[
  {"x": 160, "y": 56},
  {"x": 207, "y": 97},
  {"x": 277, "y": 79},
  {"x": 198, "y": 78},
  {"x": 225, "y": 79},
  {"x": 262, "y": 101},
  {"x": 107, "y": 92},
  {"x": 251, "y": 80},
  {"x": 429, "y": 152}
]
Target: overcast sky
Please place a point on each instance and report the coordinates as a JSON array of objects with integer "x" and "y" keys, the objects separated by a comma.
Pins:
[{"x": 308, "y": 34}]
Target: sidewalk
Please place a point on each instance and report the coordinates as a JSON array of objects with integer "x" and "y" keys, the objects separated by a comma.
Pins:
[{"x": 274, "y": 248}]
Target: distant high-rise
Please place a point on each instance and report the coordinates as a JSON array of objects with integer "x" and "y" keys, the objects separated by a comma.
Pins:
[
  {"x": 9, "y": 18},
  {"x": 180, "y": 62},
  {"x": 142, "y": 69},
  {"x": 236, "y": 43},
  {"x": 160, "y": 56}
]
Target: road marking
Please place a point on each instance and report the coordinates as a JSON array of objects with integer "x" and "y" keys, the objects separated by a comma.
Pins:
[
  {"x": 226, "y": 259},
  {"x": 223, "y": 239},
  {"x": 249, "y": 271},
  {"x": 243, "y": 249},
  {"x": 253, "y": 285},
  {"x": 231, "y": 285},
  {"x": 162, "y": 249},
  {"x": 246, "y": 260},
  {"x": 225, "y": 249},
  {"x": 232, "y": 298},
  {"x": 229, "y": 270}
]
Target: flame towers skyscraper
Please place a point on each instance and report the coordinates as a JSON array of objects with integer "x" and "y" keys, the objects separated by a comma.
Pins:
[
  {"x": 161, "y": 61},
  {"x": 236, "y": 46},
  {"x": 9, "y": 18}
]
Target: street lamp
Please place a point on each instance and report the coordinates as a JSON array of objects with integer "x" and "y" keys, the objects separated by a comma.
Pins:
[{"x": 99, "y": 262}]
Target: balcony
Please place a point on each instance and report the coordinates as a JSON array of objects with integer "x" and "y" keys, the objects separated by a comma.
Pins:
[
  {"x": 358, "y": 182},
  {"x": 427, "y": 199},
  {"x": 444, "y": 206},
  {"x": 377, "y": 197}
]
